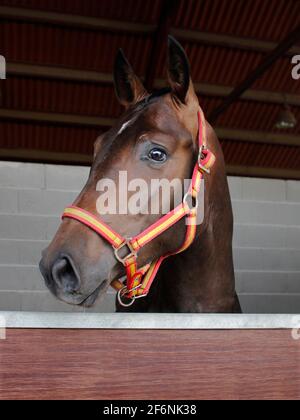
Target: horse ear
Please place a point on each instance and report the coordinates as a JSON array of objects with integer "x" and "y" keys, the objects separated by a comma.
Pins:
[
  {"x": 178, "y": 70},
  {"x": 129, "y": 89}
]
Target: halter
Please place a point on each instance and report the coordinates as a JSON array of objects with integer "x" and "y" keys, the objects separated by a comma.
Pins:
[{"x": 139, "y": 280}]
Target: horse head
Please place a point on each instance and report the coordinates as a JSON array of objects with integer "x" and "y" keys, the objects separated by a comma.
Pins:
[{"x": 155, "y": 138}]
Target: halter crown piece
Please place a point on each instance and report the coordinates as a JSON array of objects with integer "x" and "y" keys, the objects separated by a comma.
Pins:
[{"x": 139, "y": 280}]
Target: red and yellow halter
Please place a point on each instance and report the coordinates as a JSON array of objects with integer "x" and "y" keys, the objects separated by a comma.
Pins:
[{"x": 139, "y": 280}]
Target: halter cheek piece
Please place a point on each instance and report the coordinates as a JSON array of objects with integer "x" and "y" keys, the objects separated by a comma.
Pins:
[{"x": 139, "y": 280}]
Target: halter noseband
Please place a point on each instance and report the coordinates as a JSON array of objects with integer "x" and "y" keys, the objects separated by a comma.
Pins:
[{"x": 139, "y": 280}]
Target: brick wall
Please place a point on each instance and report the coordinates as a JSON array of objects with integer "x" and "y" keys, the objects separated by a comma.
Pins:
[{"x": 266, "y": 243}]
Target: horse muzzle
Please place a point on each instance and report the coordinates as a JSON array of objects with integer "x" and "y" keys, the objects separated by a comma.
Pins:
[{"x": 63, "y": 280}]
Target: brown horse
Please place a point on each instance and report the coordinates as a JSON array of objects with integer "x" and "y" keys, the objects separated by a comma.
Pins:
[{"x": 156, "y": 137}]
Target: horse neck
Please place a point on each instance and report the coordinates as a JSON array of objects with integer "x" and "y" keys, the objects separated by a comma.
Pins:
[{"x": 202, "y": 278}]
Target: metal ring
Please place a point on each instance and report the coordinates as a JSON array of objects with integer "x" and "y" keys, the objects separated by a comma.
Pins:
[
  {"x": 122, "y": 293},
  {"x": 185, "y": 200}
]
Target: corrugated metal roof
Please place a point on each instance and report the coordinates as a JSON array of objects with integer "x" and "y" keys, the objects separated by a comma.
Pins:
[
  {"x": 49, "y": 137},
  {"x": 67, "y": 47},
  {"x": 90, "y": 50},
  {"x": 66, "y": 139},
  {"x": 257, "y": 19},
  {"x": 256, "y": 116},
  {"x": 261, "y": 155},
  {"x": 59, "y": 97},
  {"x": 80, "y": 48},
  {"x": 94, "y": 99}
]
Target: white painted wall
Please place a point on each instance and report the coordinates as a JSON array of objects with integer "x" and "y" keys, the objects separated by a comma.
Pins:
[{"x": 266, "y": 244}]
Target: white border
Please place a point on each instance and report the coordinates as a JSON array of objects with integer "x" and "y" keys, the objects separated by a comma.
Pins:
[{"x": 149, "y": 321}]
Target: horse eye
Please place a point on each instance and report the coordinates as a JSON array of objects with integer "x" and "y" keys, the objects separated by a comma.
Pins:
[{"x": 158, "y": 155}]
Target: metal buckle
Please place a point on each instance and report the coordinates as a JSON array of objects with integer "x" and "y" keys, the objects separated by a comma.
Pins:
[
  {"x": 131, "y": 254},
  {"x": 189, "y": 196},
  {"x": 201, "y": 167}
]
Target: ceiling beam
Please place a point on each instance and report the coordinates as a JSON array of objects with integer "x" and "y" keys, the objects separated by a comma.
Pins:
[
  {"x": 222, "y": 133},
  {"x": 230, "y": 41},
  {"x": 264, "y": 96},
  {"x": 44, "y": 156},
  {"x": 257, "y": 136},
  {"x": 266, "y": 63},
  {"x": 60, "y": 73},
  {"x": 168, "y": 10},
  {"x": 56, "y": 118},
  {"x": 260, "y": 172},
  {"x": 85, "y": 22}
]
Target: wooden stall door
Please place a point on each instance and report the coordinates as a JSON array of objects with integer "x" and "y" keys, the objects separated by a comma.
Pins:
[{"x": 152, "y": 364}]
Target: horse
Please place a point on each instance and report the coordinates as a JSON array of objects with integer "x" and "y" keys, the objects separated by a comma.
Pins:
[{"x": 156, "y": 137}]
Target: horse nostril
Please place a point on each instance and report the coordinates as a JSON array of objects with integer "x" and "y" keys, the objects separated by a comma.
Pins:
[{"x": 65, "y": 276}]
